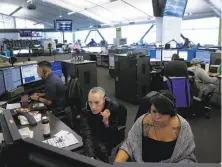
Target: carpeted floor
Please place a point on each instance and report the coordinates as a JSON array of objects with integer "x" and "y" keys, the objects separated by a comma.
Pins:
[{"x": 207, "y": 133}]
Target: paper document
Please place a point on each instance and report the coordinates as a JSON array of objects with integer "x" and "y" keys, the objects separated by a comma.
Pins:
[
  {"x": 13, "y": 106},
  {"x": 62, "y": 140},
  {"x": 61, "y": 133},
  {"x": 26, "y": 132}
]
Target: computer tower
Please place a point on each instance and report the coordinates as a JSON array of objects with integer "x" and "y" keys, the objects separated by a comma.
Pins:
[
  {"x": 132, "y": 81},
  {"x": 85, "y": 71}
]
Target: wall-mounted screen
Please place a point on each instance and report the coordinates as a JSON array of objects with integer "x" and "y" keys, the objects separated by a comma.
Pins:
[
  {"x": 25, "y": 33},
  {"x": 36, "y": 34},
  {"x": 63, "y": 25}
]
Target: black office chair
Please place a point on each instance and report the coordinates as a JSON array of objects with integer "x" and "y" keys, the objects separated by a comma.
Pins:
[
  {"x": 74, "y": 96},
  {"x": 144, "y": 105},
  {"x": 122, "y": 115},
  {"x": 199, "y": 105}
]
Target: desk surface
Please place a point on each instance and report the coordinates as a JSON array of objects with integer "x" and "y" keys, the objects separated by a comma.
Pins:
[
  {"x": 55, "y": 126},
  {"x": 132, "y": 164}
]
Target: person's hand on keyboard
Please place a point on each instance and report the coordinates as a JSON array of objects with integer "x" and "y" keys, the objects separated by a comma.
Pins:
[{"x": 35, "y": 97}]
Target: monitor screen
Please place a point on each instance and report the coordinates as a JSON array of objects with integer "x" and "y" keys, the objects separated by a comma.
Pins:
[
  {"x": 167, "y": 54},
  {"x": 25, "y": 33},
  {"x": 183, "y": 55},
  {"x": 203, "y": 56},
  {"x": 63, "y": 25},
  {"x": 12, "y": 78},
  {"x": 2, "y": 83},
  {"x": 36, "y": 34},
  {"x": 29, "y": 73},
  {"x": 175, "y": 8},
  {"x": 56, "y": 68},
  {"x": 215, "y": 59}
]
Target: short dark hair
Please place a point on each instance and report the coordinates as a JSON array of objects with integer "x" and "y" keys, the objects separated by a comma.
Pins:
[
  {"x": 44, "y": 64},
  {"x": 175, "y": 57},
  {"x": 165, "y": 103}
]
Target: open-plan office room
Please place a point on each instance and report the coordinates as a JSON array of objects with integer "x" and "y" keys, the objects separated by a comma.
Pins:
[{"x": 96, "y": 83}]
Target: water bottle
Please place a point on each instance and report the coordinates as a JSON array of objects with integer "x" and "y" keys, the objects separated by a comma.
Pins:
[{"x": 45, "y": 126}]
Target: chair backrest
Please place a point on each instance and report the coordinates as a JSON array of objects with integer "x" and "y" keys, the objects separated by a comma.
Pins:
[
  {"x": 145, "y": 105},
  {"x": 74, "y": 95},
  {"x": 180, "y": 87},
  {"x": 176, "y": 68},
  {"x": 122, "y": 115}
]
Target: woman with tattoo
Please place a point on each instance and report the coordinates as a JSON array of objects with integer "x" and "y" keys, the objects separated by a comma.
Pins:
[{"x": 161, "y": 135}]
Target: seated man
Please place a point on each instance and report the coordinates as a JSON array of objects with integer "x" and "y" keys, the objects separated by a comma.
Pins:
[
  {"x": 99, "y": 124},
  {"x": 203, "y": 81},
  {"x": 54, "y": 95}
]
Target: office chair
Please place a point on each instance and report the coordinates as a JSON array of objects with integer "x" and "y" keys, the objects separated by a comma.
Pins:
[
  {"x": 74, "y": 96},
  {"x": 122, "y": 115},
  {"x": 199, "y": 102}
]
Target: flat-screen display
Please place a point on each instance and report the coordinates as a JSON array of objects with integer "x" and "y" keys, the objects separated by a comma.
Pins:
[
  {"x": 183, "y": 55},
  {"x": 175, "y": 8},
  {"x": 56, "y": 68},
  {"x": 12, "y": 78},
  {"x": 167, "y": 54},
  {"x": 25, "y": 33},
  {"x": 36, "y": 34},
  {"x": 28, "y": 33},
  {"x": 203, "y": 56},
  {"x": 63, "y": 25},
  {"x": 29, "y": 73}
]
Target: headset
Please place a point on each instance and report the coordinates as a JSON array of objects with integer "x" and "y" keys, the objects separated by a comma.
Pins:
[{"x": 156, "y": 94}]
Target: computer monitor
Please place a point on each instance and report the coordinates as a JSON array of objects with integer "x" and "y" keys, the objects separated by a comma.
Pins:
[
  {"x": 30, "y": 152},
  {"x": 155, "y": 55},
  {"x": 29, "y": 73},
  {"x": 203, "y": 56},
  {"x": 12, "y": 78},
  {"x": 2, "y": 84},
  {"x": 56, "y": 68},
  {"x": 183, "y": 54},
  {"x": 167, "y": 54},
  {"x": 215, "y": 59}
]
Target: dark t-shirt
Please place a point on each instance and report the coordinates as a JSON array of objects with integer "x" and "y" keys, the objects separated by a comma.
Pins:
[{"x": 55, "y": 91}]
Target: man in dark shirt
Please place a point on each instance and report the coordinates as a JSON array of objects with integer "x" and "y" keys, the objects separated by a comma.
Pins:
[
  {"x": 99, "y": 124},
  {"x": 54, "y": 95}
]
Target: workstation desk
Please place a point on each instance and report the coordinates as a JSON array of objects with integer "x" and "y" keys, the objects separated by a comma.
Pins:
[{"x": 56, "y": 126}]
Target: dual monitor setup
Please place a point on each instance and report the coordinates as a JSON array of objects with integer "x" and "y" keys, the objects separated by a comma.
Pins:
[
  {"x": 14, "y": 77},
  {"x": 165, "y": 55}
]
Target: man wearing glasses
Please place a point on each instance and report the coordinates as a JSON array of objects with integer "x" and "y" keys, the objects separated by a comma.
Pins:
[{"x": 99, "y": 123}]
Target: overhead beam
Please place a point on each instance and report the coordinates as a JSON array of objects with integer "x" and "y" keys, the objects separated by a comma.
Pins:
[
  {"x": 213, "y": 6},
  {"x": 16, "y": 10}
]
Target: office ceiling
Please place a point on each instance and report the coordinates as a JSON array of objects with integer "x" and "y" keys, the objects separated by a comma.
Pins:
[{"x": 88, "y": 13}]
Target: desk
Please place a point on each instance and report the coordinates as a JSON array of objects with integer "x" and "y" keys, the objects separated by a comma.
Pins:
[{"x": 55, "y": 126}]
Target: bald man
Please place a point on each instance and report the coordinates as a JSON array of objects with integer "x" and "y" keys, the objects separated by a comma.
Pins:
[{"x": 99, "y": 124}]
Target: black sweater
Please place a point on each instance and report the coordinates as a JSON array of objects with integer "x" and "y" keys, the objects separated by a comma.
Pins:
[{"x": 92, "y": 127}]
